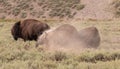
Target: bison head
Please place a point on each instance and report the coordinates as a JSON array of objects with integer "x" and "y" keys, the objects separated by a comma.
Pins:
[
  {"x": 16, "y": 30},
  {"x": 42, "y": 39}
]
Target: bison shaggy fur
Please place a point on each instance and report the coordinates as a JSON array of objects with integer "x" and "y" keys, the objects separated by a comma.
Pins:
[{"x": 28, "y": 29}]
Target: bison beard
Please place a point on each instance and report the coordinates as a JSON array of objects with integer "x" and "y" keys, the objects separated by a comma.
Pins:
[{"x": 28, "y": 29}]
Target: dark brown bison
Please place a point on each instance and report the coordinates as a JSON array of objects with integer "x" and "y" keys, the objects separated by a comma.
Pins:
[{"x": 28, "y": 29}]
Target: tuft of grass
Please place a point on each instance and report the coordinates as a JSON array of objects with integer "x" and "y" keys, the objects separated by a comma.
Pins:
[{"x": 58, "y": 56}]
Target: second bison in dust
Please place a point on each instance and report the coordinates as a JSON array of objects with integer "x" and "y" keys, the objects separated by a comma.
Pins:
[{"x": 67, "y": 36}]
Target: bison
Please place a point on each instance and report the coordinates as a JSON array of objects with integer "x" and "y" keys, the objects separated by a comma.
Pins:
[
  {"x": 66, "y": 36},
  {"x": 28, "y": 29},
  {"x": 58, "y": 36}
]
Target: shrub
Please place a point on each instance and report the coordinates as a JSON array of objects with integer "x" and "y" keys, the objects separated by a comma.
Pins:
[
  {"x": 79, "y": 7},
  {"x": 58, "y": 56},
  {"x": 116, "y": 7},
  {"x": 16, "y": 12},
  {"x": 3, "y": 17},
  {"x": 23, "y": 15}
]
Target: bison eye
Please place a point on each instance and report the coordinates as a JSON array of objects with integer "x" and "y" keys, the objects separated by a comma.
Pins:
[{"x": 40, "y": 33}]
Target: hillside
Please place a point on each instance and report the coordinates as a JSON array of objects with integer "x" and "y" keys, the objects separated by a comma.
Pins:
[
  {"x": 95, "y": 9},
  {"x": 39, "y": 8},
  {"x": 58, "y": 9}
]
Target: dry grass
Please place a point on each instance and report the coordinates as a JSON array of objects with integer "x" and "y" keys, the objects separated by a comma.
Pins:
[{"x": 21, "y": 55}]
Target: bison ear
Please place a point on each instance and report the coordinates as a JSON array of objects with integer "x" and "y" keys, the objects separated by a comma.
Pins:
[{"x": 16, "y": 30}]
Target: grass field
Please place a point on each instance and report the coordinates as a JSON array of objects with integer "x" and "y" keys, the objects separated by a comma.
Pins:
[{"x": 24, "y": 55}]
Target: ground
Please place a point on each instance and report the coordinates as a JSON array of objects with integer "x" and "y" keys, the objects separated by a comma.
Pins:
[{"x": 24, "y": 55}]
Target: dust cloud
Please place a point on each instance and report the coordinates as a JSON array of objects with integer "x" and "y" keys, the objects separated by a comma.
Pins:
[{"x": 64, "y": 38}]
